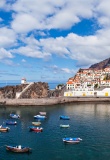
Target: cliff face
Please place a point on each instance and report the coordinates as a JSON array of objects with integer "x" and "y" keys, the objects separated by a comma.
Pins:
[
  {"x": 101, "y": 65},
  {"x": 36, "y": 90}
]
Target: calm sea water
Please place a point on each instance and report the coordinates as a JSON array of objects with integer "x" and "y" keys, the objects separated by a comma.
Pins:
[
  {"x": 91, "y": 122},
  {"x": 52, "y": 85}
]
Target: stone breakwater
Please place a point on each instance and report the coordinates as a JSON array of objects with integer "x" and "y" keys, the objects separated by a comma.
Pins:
[{"x": 52, "y": 101}]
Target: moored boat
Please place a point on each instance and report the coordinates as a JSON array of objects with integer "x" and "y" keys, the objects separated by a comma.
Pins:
[
  {"x": 18, "y": 149},
  {"x": 36, "y": 123},
  {"x": 72, "y": 140},
  {"x": 64, "y": 125},
  {"x": 4, "y": 129},
  {"x": 16, "y": 116},
  {"x": 65, "y": 117},
  {"x": 36, "y": 129},
  {"x": 39, "y": 117},
  {"x": 11, "y": 122},
  {"x": 42, "y": 113}
]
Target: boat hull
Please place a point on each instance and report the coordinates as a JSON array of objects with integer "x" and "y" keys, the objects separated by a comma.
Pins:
[
  {"x": 64, "y": 117},
  {"x": 15, "y": 116},
  {"x": 17, "y": 150},
  {"x": 42, "y": 113},
  {"x": 36, "y": 123},
  {"x": 72, "y": 140},
  {"x": 11, "y": 123},
  {"x": 64, "y": 126},
  {"x": 39, "y": 117},
  {"x": 6, "y": 129},
  {"x": 36, "y": 129}
]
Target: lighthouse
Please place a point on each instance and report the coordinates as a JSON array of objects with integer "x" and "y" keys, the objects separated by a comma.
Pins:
[{"x": 23, "y": 81}]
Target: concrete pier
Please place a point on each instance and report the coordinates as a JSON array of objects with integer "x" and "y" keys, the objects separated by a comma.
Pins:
[{"x": 52, "y": 101}]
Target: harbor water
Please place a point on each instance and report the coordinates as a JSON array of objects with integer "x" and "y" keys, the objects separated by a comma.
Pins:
[{"x": 90, "y": 122}]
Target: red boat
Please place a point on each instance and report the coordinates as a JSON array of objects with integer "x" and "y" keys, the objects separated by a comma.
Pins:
[{"x": 36, "y": 129}]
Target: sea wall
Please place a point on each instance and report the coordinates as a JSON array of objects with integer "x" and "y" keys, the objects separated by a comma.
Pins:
[{"x": 52, "y": 101}]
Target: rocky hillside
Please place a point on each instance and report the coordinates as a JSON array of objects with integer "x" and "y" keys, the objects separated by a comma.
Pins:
[
  {"x": 101, "y": 65},
  {"x": 36, "y": 90}
]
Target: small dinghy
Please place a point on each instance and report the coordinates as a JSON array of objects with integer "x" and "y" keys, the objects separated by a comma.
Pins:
[
  {"x": 36, "y": 123},
  {"x": 36, "y": 129},
  {"x": 39, "y": 117},
  {"x": 42, "y": 113},
  {"x": 18, "y": 149},
  {"x": 11, "y": 122},
  {"x": 65, "y": 117},
  {"x": 4, "y": 129},
  {"x": 64, "y": 125},
  {"x": 72, "y": 140},
  {"x": 16, "y": 116}
]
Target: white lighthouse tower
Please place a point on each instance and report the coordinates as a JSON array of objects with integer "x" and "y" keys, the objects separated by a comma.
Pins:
[{"x": 23, "y": 81}]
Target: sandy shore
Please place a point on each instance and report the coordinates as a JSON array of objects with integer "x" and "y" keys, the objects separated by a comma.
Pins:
[{"x": 51, "y": 101}]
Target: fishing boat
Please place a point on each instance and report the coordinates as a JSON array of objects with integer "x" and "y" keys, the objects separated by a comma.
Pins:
[
  {"x": 36, "y": 129},
  {"x": 42, "y": 113},
  {"x": 39, "y": 117},
  {"x": 14, "y": 115},
  {"x": 18, "y": 149},
  {"x": 64, "y": 125},
  {"x": 65, "y": 117},
  {"x": 72, "y": 140},
  {"x": 36, "y": 123},
  {"x": 11, "y": 122},
  {"x": 4, "y": 129}
]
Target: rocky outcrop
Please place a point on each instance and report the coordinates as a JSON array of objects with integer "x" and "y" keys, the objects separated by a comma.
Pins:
[
  {"x": 101, "y": 65},
  {"x": 36, "y": 90}
]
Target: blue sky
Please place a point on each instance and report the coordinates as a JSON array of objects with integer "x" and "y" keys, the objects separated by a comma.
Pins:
[{"x": 49, "y": 40}]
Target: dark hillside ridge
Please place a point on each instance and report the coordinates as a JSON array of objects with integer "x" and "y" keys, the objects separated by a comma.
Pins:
[{"x": 101, "y": 65}]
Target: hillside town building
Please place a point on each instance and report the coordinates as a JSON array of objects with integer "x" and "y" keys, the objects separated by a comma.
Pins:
[{"x": 89, "y": 82}]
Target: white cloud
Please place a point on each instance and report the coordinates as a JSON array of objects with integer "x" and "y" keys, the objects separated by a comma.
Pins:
[
  {"x": 23, "y": 60},
  {"x": 7, "y": 37},
  {"x": 85, "y": 50},
  {"x": 24, "y": 23},
  {"x": 66, "y": 70},
  {"x": 2, "y": 3},
  {"x": 58, "y": 14},
  {"x": 46, "y": 14},
  {"x": 5, "y": 54}
]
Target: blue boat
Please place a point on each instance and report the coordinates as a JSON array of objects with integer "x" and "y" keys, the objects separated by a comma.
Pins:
[
  {"x": 11, "y": 122},
  {"x": 14, "y": 115},
  {"x": 72, "y": 140},
  {"x": 39, "y": 117},
  {"x": 65, "y": 117}
]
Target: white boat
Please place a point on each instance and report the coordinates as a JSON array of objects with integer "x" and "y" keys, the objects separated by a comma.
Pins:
[
  {"x": 64, "y": 125},
  {"x": 72, "y": 140},
  {"x": 42, "y": 113},
  {"x": 36, "y": 123},
  {"x": 39, "y": 117},
  {"x": 16, "y": 116}
]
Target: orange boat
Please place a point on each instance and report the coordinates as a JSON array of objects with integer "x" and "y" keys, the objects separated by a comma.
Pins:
[{"x": 4, "y": 129}]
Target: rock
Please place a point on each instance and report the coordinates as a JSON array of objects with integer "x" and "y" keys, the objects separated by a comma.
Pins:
[{"x": 36, "y": 90}]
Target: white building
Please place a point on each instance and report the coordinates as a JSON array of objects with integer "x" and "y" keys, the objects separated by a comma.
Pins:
[{"x": 23, "y": 81}]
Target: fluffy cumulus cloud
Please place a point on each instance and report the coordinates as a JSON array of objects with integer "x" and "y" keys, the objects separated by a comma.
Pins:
[
  {"x": 30, "y": 16},
  {"x": 7, "y": 37},
  {"x": 5, "y": 54},
  {"x": 46, "y": 14},
  {"x": 85, "y": 50}
]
